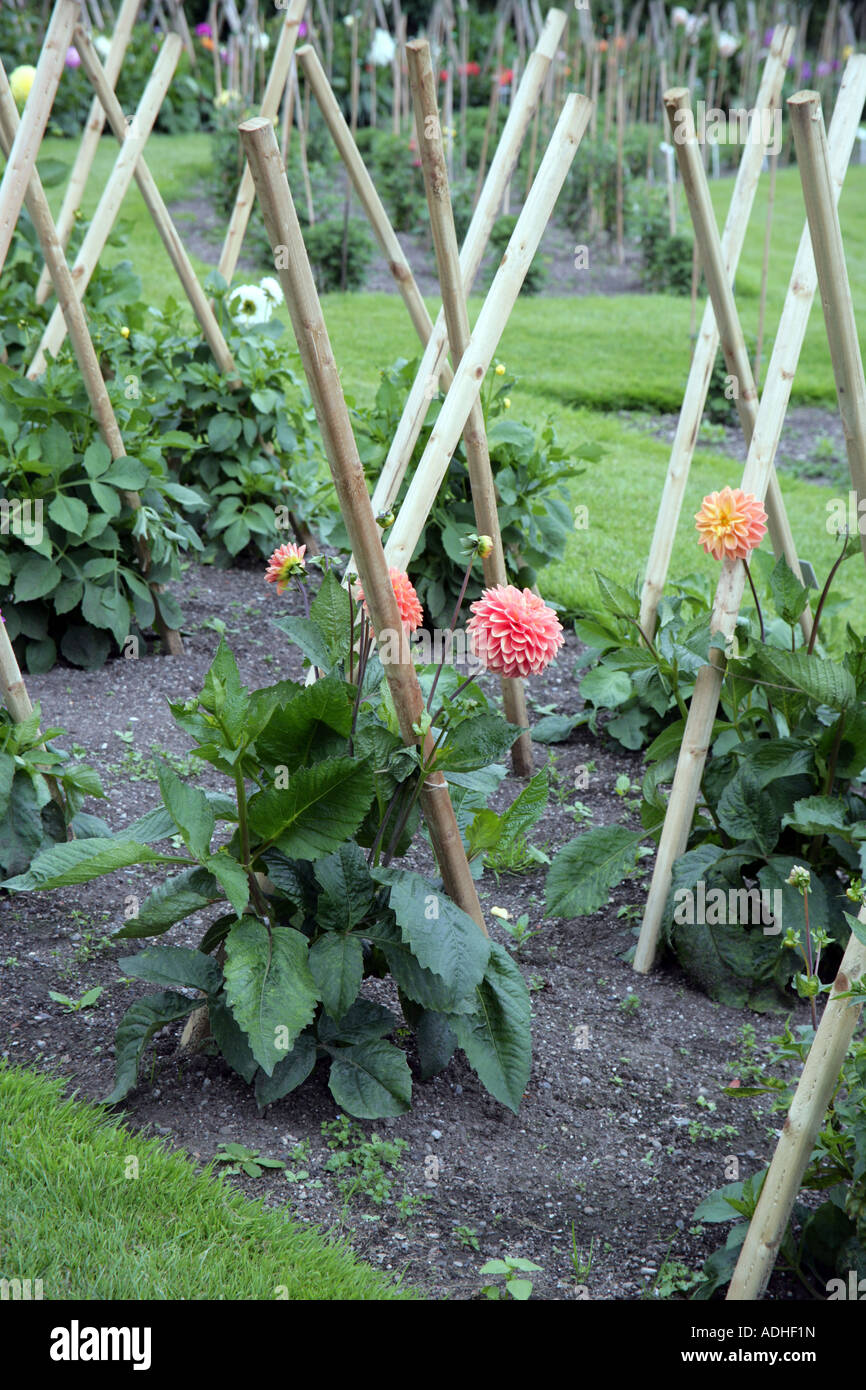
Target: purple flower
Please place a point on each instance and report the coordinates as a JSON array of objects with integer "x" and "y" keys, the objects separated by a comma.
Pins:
[
  {"x": 302, "y": 30},
  {"x": 824, "y": 69},
  {"x": 835, "y": 65},
  {"x": 768, "y": 38},
  {"x": 807, "y": 72},
  {"x": 72, "y": 58},
  {"x": 204, "y": 31}
]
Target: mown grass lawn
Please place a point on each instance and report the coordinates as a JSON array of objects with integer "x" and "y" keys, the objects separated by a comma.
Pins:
[
  {"x": 581, "y": 360},
  {"x": 97, "y": 1212}
]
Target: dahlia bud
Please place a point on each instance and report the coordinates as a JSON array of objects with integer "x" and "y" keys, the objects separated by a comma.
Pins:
[
  {"x": 799, "y": 878},
  {"x": 386, "y": 519},
  {"x": 485, "y": 546}
]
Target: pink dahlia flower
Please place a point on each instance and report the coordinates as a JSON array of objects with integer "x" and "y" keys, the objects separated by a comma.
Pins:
[
  {"x": 73, "y": 58},
  {"x": 204, "y": 31},
  {"x": 408, "y": 601},
  {"x": 514, "y": 632},
  {"x": 285, "y": 562},
  {"x": 731, "y": 524}
]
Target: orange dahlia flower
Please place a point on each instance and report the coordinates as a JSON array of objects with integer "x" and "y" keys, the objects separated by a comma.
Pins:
[
  {"x": 283, "y": 564},
  {"x": 731, "y": 524},
  {"x": 408, "y": 601}
]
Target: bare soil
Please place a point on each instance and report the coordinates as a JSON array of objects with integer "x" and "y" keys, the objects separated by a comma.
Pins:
[{"x": 600, "y": 1153}]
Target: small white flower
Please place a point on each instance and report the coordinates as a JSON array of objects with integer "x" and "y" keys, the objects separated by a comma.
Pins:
[
  {"x": 271, "y": 287},
  {"x": 349, "y": 21},
  {"x": 264, "y": 41},
  {"x": 102, "y": 44},
  {"x": 382, "y": 49},
  {"x": 728, "y": 44},
  {"x": 680, "y": 15},
  {"x": 250, "y": 304}
]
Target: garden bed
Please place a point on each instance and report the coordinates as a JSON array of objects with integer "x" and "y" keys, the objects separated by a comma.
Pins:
[{"x": 615, "y": 1133}]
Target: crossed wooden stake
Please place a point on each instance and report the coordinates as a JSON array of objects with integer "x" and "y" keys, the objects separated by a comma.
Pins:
[{"x": 820, "y": 260}]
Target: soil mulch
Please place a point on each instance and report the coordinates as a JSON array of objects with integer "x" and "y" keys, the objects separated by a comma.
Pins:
[{"x": 616, "y": 1142}]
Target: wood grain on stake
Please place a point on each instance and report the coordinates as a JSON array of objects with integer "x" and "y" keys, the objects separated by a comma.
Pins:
[
  {"x": 423, "y": 84},
  {"x": 489, "y": 327},
  {"x": 37, "y": 109},
  {"x": 756, "y": 476},
  {"x": 90, "y": 138},
  {"x": 273, "y": 93},
  {"x": 113, "y": 194},
  {"x": 159, "y": 212},
  {"x": 706, "y": 347},
  {"x": 471, "y": 253},
  {"x": 810, "y": 141},
  {"x": 283, "y": 228},
  {"x": 733, "y": 341}
]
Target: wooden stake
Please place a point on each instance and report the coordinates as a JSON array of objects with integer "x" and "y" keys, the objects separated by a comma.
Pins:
[
  {"x": 427, "y": 479},
  {"x": 159, "y": 212},
  {"x": 459, "y": 332},
  {"x": 113, "y": 194},
  {"x": 22, "y": 156},
  {"x": 274, "y": 90},
  {"x": 323, "y": 378},
  {"x": 805, "y": 1117},
  {"x": 471, "y": 254},
  {"x": 813, "y": 161},
  {"x": 90, "y": 138},
  {"x": 707, "y": 345},
  {"x": 733, "y": 341},
  {"x": 756, "y": 477},
  {"x": 366, "y": 191},
  {"x": 12, "y": 686},
  {"x": 765, "y": 266}
]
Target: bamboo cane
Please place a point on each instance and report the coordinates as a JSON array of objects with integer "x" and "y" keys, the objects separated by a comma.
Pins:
[
  {"x": 765, "y": 267},
  {"x": 459, "y": 332},
  {"x": 159, "y": 212},
  {"x": 756, "y": 476},
  {"x": 366, "y": 191},
  {"x": 22, "y": 156},
  {"x": 471, "y": 254},
  {"x": 283, "y": 228},
  {"x": 707, "y": 344},
  {"x": 810, "y": 142},
  {"x": 112, "y": 195},
  {"x": 797, "y": 1141},
  {"x": 14, "y": 695},
  {"x": 489, "y": 126},
  {"x": 270, "y": 106},
  {"x": 733, "y": 342},
  {"x": 90, "y": 138},
  {"x": 620, "y": 136},
  {"x": 491, "y": 322}
]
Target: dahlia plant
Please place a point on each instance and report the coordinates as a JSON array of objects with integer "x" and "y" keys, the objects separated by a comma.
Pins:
[{"x": 295, "y": 867}]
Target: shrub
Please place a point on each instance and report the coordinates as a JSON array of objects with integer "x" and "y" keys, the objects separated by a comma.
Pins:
[{"x": 500, "y": 235}]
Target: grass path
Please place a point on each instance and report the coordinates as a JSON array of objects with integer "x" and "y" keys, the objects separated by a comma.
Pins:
[{"x": 96, "y": 1212}]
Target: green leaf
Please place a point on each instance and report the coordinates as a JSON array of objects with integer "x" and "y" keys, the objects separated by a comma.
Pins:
[
  {"x": 587, "y": 868},
  {"x": 526, "y": 808},
  {"x": 337, "y": 966},
  {"x": 138, "y": 1024},
  {"x": 97, "y": 458},
  {"x": 606, "y": 689},
  {"x": 442, "y": 937},
  {"x": 232, "y": 879},
  {"x": 306, "y": 635},
  {"x": 747, "y": 812},
  {"x": 422, "y": 986},
  {"x": 857, "y": 926},
  {"x": 322, "y": 806},
  {"x": 789, "y": 595},
  {"x": 363, "y": 1021},
  {"x": 130, "y": 474},
  {"x": 190, "y": 810},
  {"x": 291, "y": 731},
  {"x": 497, "y": 1037},
  {"x": 554, "y": 728},
  {"x": 330, "y": 611},
  {"x": 819, "y": 815},
  {"x": 269, "y": 987},
  {"x": 371, "y": 1080},
  {"x": 79, "y": 861},
  {"x": 436, "y": 1041},
  {"x": 347, "y": 889},
  {"x": 822, "y": 681},
  {"x": 170, "y": 902},
  {"x": 615, "y": 599},
  {"x": 223, "y": 695},
  {"x": 289, "y": 1073},
  {"x": 68, "y": 512},
  {"x": 223, "y": 431},
  {"x": 174, "y": 966},
  {"x": 476, "y": 743},
  {"x": 36, "y": 577},
  {"x": 105, "y": 606},
  {"x": 230, "y": 1040}
]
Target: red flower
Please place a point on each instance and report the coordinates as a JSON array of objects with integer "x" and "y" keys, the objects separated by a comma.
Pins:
[
  {"x": 506, "y": 77},
  {"x": 286, "y": 561},
  {"x": 469, "y": 70},
  {"x": 514, "y": 633}
]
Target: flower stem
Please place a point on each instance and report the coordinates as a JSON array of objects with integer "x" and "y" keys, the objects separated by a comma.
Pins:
[{"x": 464, "y": 586}]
